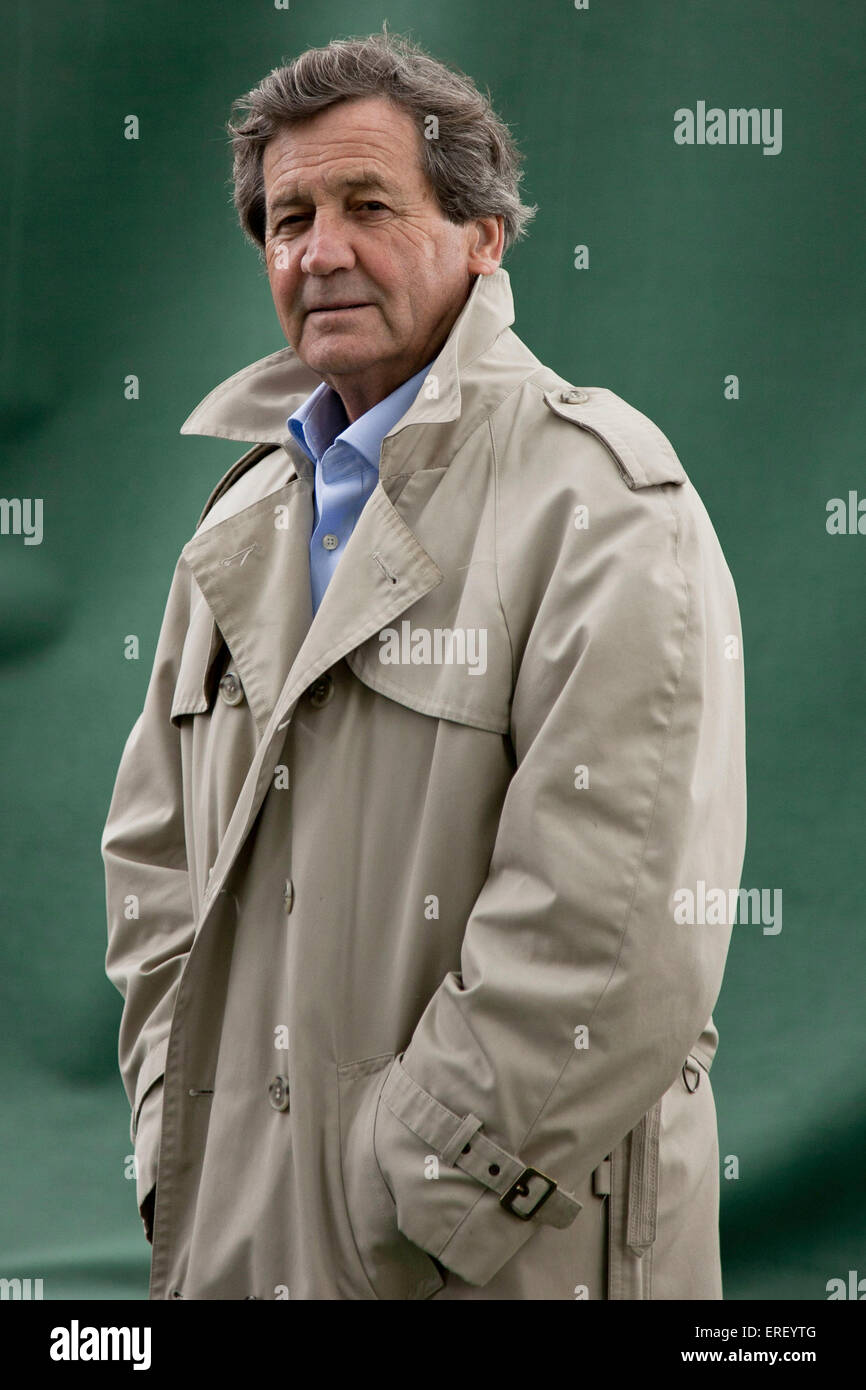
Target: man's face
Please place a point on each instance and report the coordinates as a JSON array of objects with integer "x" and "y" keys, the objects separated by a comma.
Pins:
[{"x": 367, "y": 273}]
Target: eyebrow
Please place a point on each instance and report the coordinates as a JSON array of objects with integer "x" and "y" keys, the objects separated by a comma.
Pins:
[{"x": 297, "y": 194}]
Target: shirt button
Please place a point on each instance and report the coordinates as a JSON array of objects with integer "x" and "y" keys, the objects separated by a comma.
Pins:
[
  {"x": 289, "y": 895},
  {"x": 278, "y": 1093},
  {"x": 330, "y": 542},
  {"x": 231, "y": 689},
  {"x": 321, "y": 691}
]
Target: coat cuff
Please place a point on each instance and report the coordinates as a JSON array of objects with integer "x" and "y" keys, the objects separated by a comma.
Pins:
[
  {"x": 147, "y": 1138},
  {"x": 146, "y": 1121},
  {"x": 150, "y": 1071},
  {"x": 448, "y": 1180}
]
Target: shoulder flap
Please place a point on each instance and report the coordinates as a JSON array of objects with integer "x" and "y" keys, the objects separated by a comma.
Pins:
[{"x": 643, "y": 455}]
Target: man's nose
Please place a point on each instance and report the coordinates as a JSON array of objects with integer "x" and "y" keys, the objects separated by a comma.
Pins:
[{"x": 328, "y": 246}]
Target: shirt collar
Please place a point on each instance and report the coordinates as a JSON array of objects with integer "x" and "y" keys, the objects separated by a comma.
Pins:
[{"x": 321, "y": 420}]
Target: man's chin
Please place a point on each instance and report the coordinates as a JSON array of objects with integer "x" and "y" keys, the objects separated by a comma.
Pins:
[{"x": 336, "y": 357}]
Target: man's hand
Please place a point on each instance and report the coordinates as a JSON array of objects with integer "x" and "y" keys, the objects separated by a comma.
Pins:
[{"x": 147, "y": 1210}]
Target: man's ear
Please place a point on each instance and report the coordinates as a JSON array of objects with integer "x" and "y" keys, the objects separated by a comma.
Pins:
[{"x": 486, "y": 245}]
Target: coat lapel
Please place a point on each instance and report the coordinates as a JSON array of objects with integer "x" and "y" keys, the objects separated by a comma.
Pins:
[
  {"x": 254, "y": 572},
  {"x": 384, "y": 570}
]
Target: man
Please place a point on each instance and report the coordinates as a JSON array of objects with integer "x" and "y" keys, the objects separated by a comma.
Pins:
[{"x": 446, "y": 707}]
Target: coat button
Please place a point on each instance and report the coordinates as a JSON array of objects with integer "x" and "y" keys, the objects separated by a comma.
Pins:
[
  {"x": 289, "y": 895},
  {"x": 278, "y": 1093},
  {"x": 231, "y": 689},
  {"x": 321, "y": 691},
  {"x": 573, "y": 397}
]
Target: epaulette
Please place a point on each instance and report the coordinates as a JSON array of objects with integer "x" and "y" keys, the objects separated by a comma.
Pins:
[
  {"x": 250, "y": 458},
  {"x": 642, "y": 453}
]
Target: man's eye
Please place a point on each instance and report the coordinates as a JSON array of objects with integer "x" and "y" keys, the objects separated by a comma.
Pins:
[{"x": 372, "y": 203}]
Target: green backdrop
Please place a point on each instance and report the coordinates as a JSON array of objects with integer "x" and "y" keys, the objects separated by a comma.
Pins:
[{"x": 705, "y": 261}]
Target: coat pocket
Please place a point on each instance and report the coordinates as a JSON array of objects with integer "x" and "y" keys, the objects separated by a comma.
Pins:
[{"x": 392, "y": 1265}]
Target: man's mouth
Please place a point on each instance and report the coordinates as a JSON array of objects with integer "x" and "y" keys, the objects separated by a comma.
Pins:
[{"x": 336, "y": 308}]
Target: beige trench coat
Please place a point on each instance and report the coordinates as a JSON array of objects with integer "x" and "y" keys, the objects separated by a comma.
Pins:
[{"x": 408, "y": 1014}]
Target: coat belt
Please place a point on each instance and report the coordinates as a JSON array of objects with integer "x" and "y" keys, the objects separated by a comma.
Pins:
[
  {"x": 642, "y": 1145},
  {"x": 643, "y": 1185}
]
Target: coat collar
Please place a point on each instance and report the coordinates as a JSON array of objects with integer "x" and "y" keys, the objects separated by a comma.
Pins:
[
  {"x": 251, "y": 561},
  {"x": 254, "y": 404}
]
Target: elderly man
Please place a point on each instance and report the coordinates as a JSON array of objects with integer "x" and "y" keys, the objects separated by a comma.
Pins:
[{"x": 447, "y": 706}]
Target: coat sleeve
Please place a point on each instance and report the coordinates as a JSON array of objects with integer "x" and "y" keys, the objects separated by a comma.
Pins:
[
  {"x": 150, "y": 918},
  {"x": 580, "y": 994}
]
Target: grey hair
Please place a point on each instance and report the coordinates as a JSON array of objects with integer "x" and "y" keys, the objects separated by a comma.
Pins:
[{"x": 473, "y": 165}]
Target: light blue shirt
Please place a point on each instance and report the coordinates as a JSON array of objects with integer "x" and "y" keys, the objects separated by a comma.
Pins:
[{"x": 346, "y": 457}]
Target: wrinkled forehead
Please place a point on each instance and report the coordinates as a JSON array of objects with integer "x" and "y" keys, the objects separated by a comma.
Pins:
[{"x": 364, "y": 145}]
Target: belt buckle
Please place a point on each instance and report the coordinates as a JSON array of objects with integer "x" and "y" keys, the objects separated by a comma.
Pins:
[{"x": 519, "y": 1188}]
